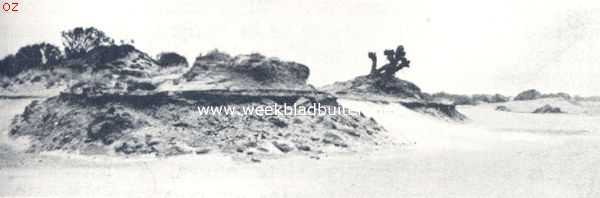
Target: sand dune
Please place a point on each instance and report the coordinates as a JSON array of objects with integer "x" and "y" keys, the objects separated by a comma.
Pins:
[{"x": 492, "y": 155}]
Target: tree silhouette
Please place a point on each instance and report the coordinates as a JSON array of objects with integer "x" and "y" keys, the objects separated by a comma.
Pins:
[
  {"x": 396, "y": 61},
  {"x": 80, "y": 40}
]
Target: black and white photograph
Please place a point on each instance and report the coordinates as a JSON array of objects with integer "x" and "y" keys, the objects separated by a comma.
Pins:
[{"x": 300, "y": 98}]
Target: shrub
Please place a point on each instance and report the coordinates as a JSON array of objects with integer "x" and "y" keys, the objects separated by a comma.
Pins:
[
  {"x": 36, "y": 55},
  {"x": 531, "y": 94},
  {"x": 8, "y": 66},
  {"x": 31, "y": 56},
  {"x": 80, "y": 40},
  {"x": 105, "y": 54},
  {"x": 169, "y": 59}
]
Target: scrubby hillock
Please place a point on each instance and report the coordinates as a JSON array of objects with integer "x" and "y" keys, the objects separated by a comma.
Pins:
[
  {"x": 120, "y": 65},
  {"x": 373, "y": 87},
  {"x": 369, "y": 88},
  {"x": 90, "y": 56},
  {"x": 171, "y": 59},
  {"x": 458, "y": 99},
  {"x": 38, "y": 56},
  {"x": 218, "y": 70},
  {"x": 548, "y": 109},
  {"x": 503, "y": 108},
  {"x": 533, "y": 94},
  {"x": 116, "y": 59}
]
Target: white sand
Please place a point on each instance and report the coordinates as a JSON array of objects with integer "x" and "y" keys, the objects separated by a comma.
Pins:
[{"x": 496, "y": 154}]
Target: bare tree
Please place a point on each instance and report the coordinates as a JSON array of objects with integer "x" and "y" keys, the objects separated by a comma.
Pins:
[{"x": 396, "y": 61}]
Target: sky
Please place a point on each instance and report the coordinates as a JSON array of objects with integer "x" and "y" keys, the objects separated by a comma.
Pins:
[{"x": 459, "y": 46}]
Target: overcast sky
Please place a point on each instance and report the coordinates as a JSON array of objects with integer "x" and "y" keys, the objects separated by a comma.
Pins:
[{"x": 459, "y": 46}]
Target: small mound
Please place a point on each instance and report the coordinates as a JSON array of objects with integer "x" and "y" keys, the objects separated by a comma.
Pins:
[
  {"x": 533, "y": 94},
  {"x": 548, "y": 109},
  {"x": 217, "y": 70},
  {"x": 102, "y": 64},
  {"x": 375, "y": 86},
  {"x": 502, "y": 108},
  {"x": 171, "y": 59},
  {"x": 392, "y": 90},
  {"x": 566, "y": 106},
  {"x": 458, "y": 99}
]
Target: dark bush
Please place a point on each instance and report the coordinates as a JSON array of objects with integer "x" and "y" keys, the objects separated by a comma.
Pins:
[
  {"x": 475, "y": 99},
  {"x": 502, "y": 108},
  {"x": 531, "y": 94},
  {"x": 8, "y": 67},
  {"x": 36, "y": 55},
  {"x": 80, "y": 40},
  {"x": 548, "y": 109},
  {"x": 145, "y": 86},
  {"x": 107, "y": 54},
  {"x": 31, "y": 56},
  {"x": 483, "y": 98},
  {"x": 169, "y": 59}
]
